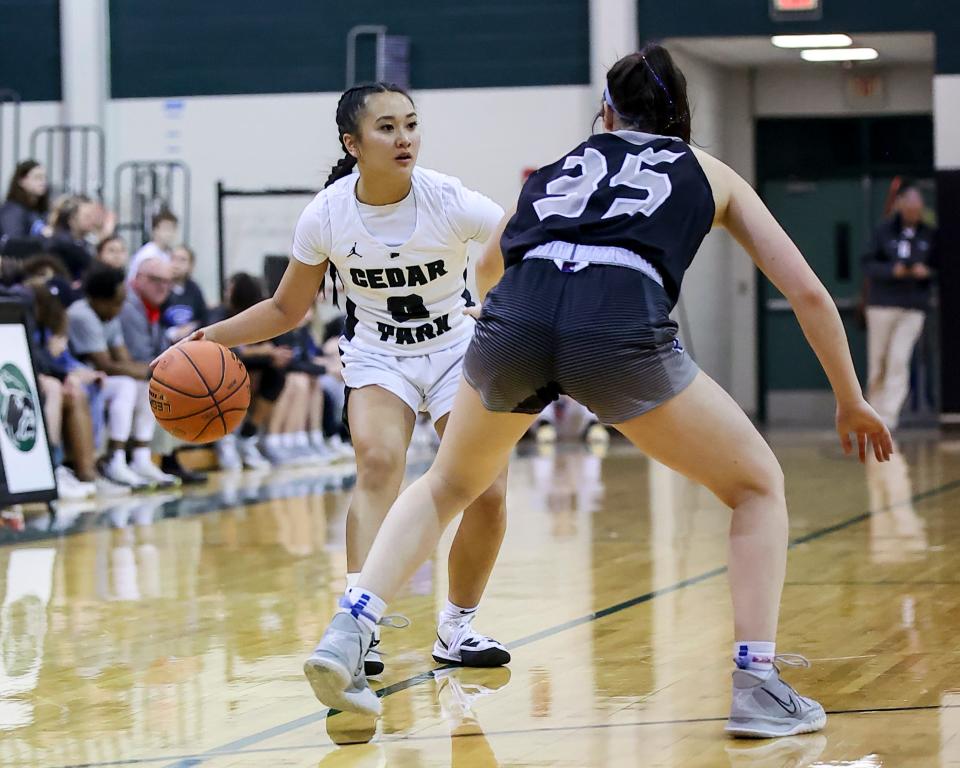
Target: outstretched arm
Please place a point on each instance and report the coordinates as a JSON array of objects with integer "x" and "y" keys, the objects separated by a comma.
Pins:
[
  {"x": 272, "y": 317},
  {"x": 741, "y": 211}
]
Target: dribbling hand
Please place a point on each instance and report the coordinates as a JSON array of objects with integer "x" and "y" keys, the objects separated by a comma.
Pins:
[
  {"x": 197, "y": 335},
  {"x": 861, "y": 420}
]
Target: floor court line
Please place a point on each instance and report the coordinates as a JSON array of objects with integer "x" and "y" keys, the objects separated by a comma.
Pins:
[
  {"x": 815, "y": 535},
  {"x": 191, "y": 760}
]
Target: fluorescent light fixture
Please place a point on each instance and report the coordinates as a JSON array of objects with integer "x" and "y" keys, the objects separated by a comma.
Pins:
[
  {"x": 839, "y": 54},
  {"x": 811, "y": 41}
]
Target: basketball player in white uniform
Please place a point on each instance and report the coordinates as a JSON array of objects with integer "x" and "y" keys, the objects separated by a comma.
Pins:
[{"x": 396, "y": 236}]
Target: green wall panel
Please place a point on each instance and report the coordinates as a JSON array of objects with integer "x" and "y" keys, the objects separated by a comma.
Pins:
[
  {"x": 185, "y": 47},
  {"x": 30, "y": 48}
]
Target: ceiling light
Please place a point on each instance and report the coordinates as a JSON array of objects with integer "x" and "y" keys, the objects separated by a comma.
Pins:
[
  {"x": 811, "y": 41},
  {"x": 839, "y": 54}
]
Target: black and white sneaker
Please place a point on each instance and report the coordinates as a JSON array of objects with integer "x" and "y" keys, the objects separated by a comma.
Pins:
[
  {"x": 373, "y": 661},
  {"x": 459, "y": 643}
]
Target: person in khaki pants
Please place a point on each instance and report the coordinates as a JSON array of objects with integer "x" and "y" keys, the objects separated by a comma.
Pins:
[{"x": 900, "y": 269}]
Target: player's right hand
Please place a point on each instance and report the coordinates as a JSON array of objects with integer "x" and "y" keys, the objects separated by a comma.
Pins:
[
  {"x": 197, "y": 335},
  {"x": 860, "y": 419}
]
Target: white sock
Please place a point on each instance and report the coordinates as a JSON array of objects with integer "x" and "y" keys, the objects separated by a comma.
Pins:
[
  {"x": 755, "y": 655},
  {"x": 455, "y": 613},
  {"x": 141, "y": 456},
  {"x": 272, "y": 441},
  {"x": 365, "y": 606},
  {"x": 352, "y": 579},
  {"x": 316, "y": 439},
  {"x": 119, "y": 457},
  {"x": 286, "y": 440},
  {"x": 300, "y": 439}
]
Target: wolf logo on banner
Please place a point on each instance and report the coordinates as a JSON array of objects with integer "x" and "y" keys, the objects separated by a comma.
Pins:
[{"x": 18, "y": 408}]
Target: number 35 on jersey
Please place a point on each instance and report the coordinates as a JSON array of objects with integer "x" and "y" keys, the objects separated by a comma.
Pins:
[{"x": 570, "y": 195}]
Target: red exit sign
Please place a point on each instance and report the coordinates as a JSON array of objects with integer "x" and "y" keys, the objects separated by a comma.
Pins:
[{"x": 793, "y": 10}]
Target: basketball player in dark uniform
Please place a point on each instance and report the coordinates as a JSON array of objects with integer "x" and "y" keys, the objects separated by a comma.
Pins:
[{"x": 586, "y": 274}]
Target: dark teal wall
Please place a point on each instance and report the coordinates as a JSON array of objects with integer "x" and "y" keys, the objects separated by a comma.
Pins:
[
  {"x": 186, "y": 47},
  {"x": 697, "y": 18},
  {"x": 30, "y": 48}
]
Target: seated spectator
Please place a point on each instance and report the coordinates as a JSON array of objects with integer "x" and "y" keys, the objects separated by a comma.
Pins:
[
  {"x": 266, "y": 363},
  {"x": 145, "y": 340},
  {"x": 76, "y": 219},
  {"x": 163, "y": 234},
  {"x": 112, "y": 251},
  {"x": 296, "y": 425},
  {"x": 96, "y": 338},
  {"x": 47, "y": 270},
  {"x": 566, "y": 419},
  {"x": 185, "y": 309},
  {"x": 79, "y": 395},
  {"x": 28, "y": 199}
]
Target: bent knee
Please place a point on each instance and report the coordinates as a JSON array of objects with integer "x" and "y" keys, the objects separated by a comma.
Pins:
[
  {"x": 491, "y": 503},
  {"x": 762, "y": 479},
  {"x": 377, "y": 465},
  {"x": 460, "y": 489}
]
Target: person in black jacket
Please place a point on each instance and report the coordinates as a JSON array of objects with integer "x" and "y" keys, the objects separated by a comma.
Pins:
[
  {"x": 73, "y": 223},
  {"x": 900, "y": 268},
  {"x": 28, "y": 200},
  {"x": 185, "y": 309}
]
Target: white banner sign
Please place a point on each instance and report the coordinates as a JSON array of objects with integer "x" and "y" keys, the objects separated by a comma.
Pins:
[{"x": 23, "y": 441}]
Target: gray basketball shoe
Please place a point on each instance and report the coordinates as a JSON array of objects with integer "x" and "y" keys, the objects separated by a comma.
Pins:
[
  {"x": 765, "y": 706},
  {"x": 335, "y": 668}
]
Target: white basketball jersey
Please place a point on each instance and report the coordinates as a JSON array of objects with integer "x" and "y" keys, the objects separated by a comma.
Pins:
[{"x": 406, "y": 299}]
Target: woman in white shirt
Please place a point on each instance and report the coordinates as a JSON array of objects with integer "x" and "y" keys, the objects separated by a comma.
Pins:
[{"x": 397, "y": 237}]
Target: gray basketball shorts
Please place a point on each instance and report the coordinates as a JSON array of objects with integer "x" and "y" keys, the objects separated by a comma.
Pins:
[{"x": 602, "y": 335}]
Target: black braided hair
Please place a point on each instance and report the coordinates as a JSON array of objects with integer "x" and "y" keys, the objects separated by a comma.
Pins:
[{"x": 350, "y": 109}]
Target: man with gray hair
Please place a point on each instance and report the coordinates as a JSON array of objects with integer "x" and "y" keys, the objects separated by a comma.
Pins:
[{"x": 145, "y": 339}]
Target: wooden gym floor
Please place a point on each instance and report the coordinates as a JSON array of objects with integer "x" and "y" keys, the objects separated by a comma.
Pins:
[{"x": 169, "y": 631}]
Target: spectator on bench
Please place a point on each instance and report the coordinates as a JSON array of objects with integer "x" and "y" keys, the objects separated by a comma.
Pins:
[
  {"x": 145, "y": 340},
  {"x": 47, "y": 270},
  {"x": 74, "y": 221},
  {"x": 296, "y": 425},
  {"x": 23, "y": 213},
  {"x": 266, "y": 363},
  {"x": 163, "y": 234},
  {"x": 80, "y": 392},
  {"x": 112, "y": 251},
  {"x": 185, "y": 309},
  {"x": 96, "y": 337}
]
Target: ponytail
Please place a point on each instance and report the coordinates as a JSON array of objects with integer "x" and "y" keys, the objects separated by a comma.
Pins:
[
  {"x": 648, "y": 92},
  {"x": 343, "y": 168}
]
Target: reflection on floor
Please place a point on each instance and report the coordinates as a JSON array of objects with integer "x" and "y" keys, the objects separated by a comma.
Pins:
[{"x": 168, "y": 630}]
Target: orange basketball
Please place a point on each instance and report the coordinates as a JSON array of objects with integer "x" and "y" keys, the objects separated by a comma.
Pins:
[{"x": 199, "y": 392}]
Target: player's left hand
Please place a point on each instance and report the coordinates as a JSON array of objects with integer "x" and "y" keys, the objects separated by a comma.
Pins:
[
  {"x": 861, "y": 420},
  {"x": 473, "y": 311}
]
